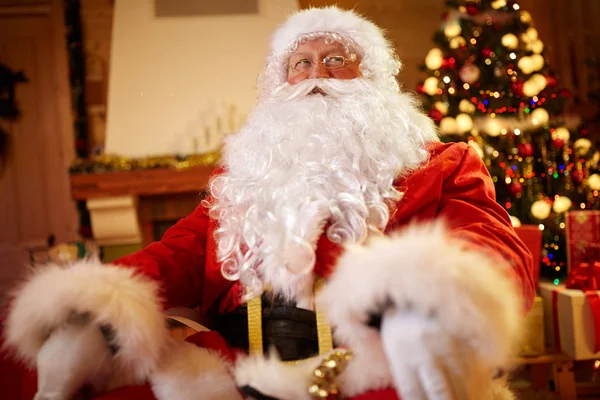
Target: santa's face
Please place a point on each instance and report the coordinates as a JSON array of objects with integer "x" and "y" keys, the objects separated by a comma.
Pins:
[
  {"x": 317, "y": 156},
  {"x": 322, "y": 58}
]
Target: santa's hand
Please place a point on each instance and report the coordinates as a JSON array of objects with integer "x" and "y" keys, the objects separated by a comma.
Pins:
[
  {"x": 74, "y": 355},
  {"x": 425, "y": 362},
  {"x": 64, "y": 320},
  {"x": 449, "y": 313}
]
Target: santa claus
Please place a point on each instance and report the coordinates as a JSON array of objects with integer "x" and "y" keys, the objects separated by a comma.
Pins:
[{"x": 339, "y": 234}]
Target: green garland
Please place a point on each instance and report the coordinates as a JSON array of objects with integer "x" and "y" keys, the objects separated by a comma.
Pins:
[{"x": 113, "y": 163}]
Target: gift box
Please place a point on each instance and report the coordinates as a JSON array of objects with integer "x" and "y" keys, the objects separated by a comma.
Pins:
[
  {"x": 582, "y": 232},
  {"x": 532, "y": 341},
  {"x": 532, "y": 238},
  {"x": 569, "y": 321}
]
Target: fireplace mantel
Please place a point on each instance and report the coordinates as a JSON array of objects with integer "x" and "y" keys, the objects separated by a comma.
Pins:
[{"x": 126, "y": 207}]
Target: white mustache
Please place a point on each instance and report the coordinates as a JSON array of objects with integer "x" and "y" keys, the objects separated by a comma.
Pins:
[{"x": 331, "y": 87}]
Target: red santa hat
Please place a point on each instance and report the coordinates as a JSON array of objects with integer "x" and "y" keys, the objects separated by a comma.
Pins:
[{"x": 358, "y": 34}]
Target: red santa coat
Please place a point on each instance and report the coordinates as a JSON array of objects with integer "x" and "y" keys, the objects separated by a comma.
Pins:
[{"x": 454, "y": 185}]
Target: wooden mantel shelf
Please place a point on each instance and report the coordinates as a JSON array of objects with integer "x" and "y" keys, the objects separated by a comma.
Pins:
[{"x": 150, "y": 182}]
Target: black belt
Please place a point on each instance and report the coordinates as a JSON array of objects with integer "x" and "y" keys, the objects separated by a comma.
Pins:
[{"x": 292, "y": 331}]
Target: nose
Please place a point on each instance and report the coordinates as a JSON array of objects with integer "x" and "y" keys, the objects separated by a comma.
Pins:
[{"x": 319, "y": 71}]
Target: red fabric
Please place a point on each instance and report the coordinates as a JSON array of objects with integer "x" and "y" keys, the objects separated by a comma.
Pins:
[
  {"x": 454, "y": 185},
  {"x": 532, "y": 237}
]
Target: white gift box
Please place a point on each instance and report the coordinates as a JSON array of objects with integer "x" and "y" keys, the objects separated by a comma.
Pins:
[{"x": 575, "y": 321}]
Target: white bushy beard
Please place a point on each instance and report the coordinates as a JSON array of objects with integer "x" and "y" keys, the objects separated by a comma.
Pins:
[{"x": 304, "y": 160}]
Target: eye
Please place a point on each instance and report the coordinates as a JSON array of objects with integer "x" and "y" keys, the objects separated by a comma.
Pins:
[
  {"x": 302, "y": 65},
  {"x": 334, "y": 61}
]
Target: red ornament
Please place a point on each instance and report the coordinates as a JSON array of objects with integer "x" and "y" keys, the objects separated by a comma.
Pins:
[
  {"x": 577, "y": 176},
  {"x": 487, "y": 52},
  {"x": 421, "y": 88},
  {"x": 551, "y": 81},
  {"x": 472, "y": 9},
  {"x": 517, "y": 87},
  {"x": 515, "y": 188},
  {"x": 566, "y": 93},
  {"x": 436, "y": 115},
  {"x": 525, "y": 149},
  {"x": 445, "y": 16},
  {"x": 558, "y": 143}
]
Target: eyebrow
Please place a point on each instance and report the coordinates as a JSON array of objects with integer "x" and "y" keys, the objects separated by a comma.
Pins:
[{"x": 328, "y": 50}]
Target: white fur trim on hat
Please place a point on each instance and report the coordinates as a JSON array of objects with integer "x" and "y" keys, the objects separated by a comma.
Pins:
[
  {"x": 379, "y": 61},
  {"x": 111, "y": 295},
  {"x": 425, "y": 270},
  {"x": 191, "y": 372}
]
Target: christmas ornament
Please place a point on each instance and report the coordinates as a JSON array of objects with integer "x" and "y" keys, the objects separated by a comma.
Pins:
[
  {"x": 517, "y": 87},
  {"x": 441, "y": 107},
  {"x": 595, "y": 159},
  {"x": 498, "y": 4},
  {"x": 466, "y": 106},
  {"x": 534, "y": 85},
  {"x": 510, "y": 41},
  {"x": 434, "y": 59},
  {"x": 530, "y": 35},
  {"x": 464, "y": 123},
  {"x": 487, "y": 53},
  {"x": 448, "y": 126},
  {"x": 530, "y": 88},
  {"x": 525, "y": 149},
  {"x": 551, "y": 81},
  {"x": 539, "y": 116},
  {"x": 457, "y": 42},
  {"x": 561, "y": 204},
  {"x": 436, "y": 115},
  {"x": 536, "y": 46},
  {"x": 558, "y": 143},
  {"x": 525, "y": 17},
  {"x": 516, "y": 222},
  {"x": 452, "y": 29},
  {"x": 561, "y": 133},
  {"x": 577, "y": 176},
  {"x": 430, "y": 86},
  {"x": 469, "y": 73},
  {"x": 526, "y": 65},
  {"x": 540, "y": 209},
  {"x": 472, "y": 9},
  {"x": 515, "y": 188},
  {"x": 582, "y": 146},
  {"x": 593, "y": 182},
  {"x": 537, "y": 61}
]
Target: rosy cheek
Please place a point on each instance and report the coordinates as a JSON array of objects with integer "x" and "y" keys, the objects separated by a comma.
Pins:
[{"x": 293, "y": 79}]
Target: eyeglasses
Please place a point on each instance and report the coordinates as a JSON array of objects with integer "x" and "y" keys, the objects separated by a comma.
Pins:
[{"x": 329, "y": 62}]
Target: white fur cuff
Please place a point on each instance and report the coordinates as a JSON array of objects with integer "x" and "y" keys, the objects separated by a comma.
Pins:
[
  {"x": 424, "y": 269},
  {"x": 110, "y": 295}
]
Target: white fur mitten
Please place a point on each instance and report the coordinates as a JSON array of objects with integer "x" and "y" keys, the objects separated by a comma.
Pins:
[{"x": 74, "y": 355}]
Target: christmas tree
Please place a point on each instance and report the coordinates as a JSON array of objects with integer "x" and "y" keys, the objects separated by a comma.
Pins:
[{"x": 489, "y": 84}]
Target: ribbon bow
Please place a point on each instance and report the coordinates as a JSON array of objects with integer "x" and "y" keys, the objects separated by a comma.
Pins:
[{"x": 586, "y": 275}]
